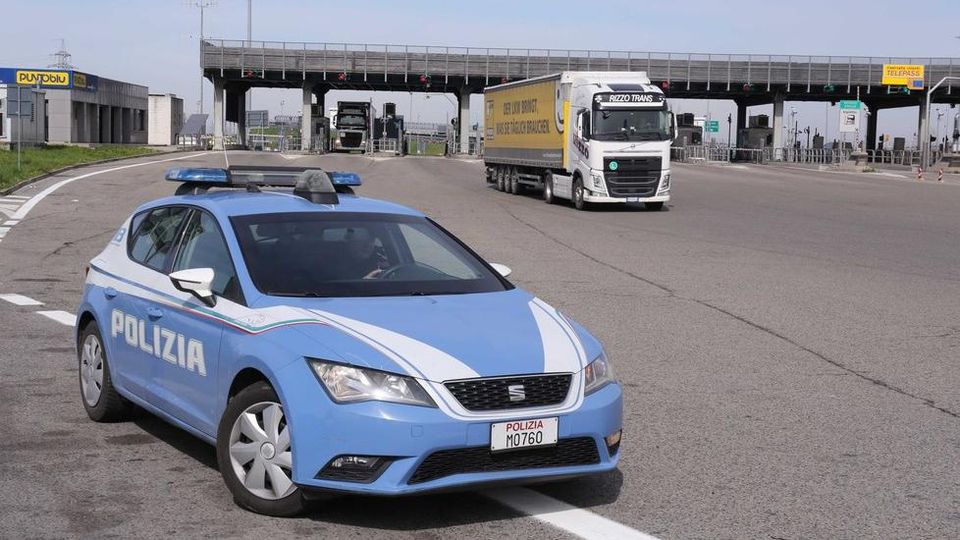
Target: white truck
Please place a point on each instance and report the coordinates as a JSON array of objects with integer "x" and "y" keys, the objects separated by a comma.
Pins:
[{"x": 587, "y": 136}]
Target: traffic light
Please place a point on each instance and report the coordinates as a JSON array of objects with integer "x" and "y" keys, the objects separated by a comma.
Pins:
[
  {"x": 747, "y": 87},
  {"x": 898, "y": 90},
  {"x": 829, "y": 88},
  {"x": 342, "y": 76},
  {"x": 425, "y": 80},
  {"x": 665, "y": 85},
  {"x": 252, "y": 73}
]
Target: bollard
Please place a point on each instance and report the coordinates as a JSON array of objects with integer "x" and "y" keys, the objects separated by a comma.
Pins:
[
  {"x": 919, "y": 174},
  {"x": 940, "y": 175}
]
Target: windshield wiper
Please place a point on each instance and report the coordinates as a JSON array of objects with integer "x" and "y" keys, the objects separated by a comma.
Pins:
[{"x": 295, "y": 294}]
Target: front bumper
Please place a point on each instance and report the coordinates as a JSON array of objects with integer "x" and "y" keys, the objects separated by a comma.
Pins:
[
  {"x": 409, "y": 435},
  {"x": 592, "y": 197}
]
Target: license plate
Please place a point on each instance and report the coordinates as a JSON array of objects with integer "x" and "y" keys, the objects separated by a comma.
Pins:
[
  {"x": 523, "y": 434},
  {"x": 633, "y": 199}
]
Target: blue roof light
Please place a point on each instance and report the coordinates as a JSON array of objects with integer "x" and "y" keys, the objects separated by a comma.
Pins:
[
  {"x": 199, "y": 175},
  {"x": 340, "y": 178}
]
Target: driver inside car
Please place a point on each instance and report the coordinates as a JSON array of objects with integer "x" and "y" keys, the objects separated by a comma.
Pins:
[{"x": 365, "y": 260}]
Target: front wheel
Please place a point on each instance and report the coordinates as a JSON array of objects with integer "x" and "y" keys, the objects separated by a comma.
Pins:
[
  {"x": 100, "y": 398},
  {"x": 578, "y": 201},
  {"x": 654, "y": 206},
  {"x": 501, "y": 178},
  {"x": 254, "y": 453}
]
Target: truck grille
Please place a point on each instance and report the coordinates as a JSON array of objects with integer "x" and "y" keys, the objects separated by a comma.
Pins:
[
  {"x": 495, "y": 394},
  {"x": 633, "y": 177},
  {"x": 351, "y": 140},
  {"x": 567, "y": 453}
]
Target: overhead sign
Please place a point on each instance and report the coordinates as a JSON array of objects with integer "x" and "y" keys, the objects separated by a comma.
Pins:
[
  {"x": 849, "y": 104},
  {"x": 45, "y": 78},
  {"x": 909, "y": 75},
  {"x": 712, "y": 126}
]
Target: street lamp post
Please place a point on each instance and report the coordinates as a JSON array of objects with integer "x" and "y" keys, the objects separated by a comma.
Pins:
[{"x": 925, "y": 149}]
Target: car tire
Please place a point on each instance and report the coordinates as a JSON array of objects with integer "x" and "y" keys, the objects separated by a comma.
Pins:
[
  {"x": 653, "y": 206},
  {"x": 501, "y": 178},
  {"x": 577, "y": 194},
  {"x": 99, "y": 397},
  {"x": 254, "y": 453},
  {"x": 548, "y": 189}
]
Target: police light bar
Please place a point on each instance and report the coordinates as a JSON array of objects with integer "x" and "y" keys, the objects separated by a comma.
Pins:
[{"x": 199, "y": 175}]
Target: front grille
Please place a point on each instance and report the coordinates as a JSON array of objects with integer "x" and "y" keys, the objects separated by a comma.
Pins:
[
  {"x": 567, "y": 453},
  {"x": 633, "y": 177},
  {"x": 351, "y": 139},
  {"x": 494, "y": 394}
]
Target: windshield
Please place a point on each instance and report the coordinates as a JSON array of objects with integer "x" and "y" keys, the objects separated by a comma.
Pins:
[
  {"x": 631, "y": 125},
  {"x": 351, "y": 121},
  {"x": 315, "y": 254}
]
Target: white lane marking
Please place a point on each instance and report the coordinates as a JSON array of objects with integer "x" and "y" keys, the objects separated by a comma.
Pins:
[
  {"x": 292, "y": 156},
  {"x": 27, "y": 206},
  {"x": 578, "y": 521},
  {"x": 61, "y": 317},
  {"x": 11, "y": 223},
  {"x": 20, "y": 300},
  {"x": 21, "y": 197},
  {"x": 8, "y": 210},
  {"x": 3, "y": 231}
]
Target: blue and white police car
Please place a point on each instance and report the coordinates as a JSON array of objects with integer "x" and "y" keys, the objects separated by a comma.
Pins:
[{"x": 326, "y": 342}]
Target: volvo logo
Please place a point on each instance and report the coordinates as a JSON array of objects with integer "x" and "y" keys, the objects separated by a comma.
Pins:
[{"x": 516, "y": 392}]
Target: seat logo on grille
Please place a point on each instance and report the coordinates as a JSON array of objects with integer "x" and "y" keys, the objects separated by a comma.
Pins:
[{"x": 516, "y": 392}]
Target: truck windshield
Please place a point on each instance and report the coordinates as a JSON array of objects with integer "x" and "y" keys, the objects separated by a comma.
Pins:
[
  {"x": 351, "y": 121},
  {"x": 631, "y": 125}
]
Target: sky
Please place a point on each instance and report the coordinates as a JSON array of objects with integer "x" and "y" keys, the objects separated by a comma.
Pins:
[{"x": 155, "y": 43}]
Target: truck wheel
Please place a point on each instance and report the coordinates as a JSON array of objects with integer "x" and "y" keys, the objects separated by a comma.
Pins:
[
  {"x": 501, "y": 180},
  {"x": 514, "y": 181},
  {"x": 654, "y": 206},
  {"x": 578, "y": 201},
  {"x": 548, "y": 189},
  {"x": 100, "y": 398},
  {"x": 254, "y": 453}
]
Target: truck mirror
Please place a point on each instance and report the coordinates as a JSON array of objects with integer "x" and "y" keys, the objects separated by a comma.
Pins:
[{"x": 673, "y": 127}]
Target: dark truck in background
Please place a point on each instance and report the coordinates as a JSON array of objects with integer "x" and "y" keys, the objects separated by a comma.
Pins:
[{"x": 353, "y": 126}]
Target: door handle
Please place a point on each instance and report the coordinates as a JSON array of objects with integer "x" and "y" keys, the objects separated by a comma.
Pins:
[
  {"x": 110, "y": 293},
  {"x": 154, "y": 313}
]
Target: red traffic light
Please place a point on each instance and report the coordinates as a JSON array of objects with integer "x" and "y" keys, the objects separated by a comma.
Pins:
[
  {"x": 341, "y": 76},
  {"x": 503, "y": 80},
  {"x": 665, "y": 85}
]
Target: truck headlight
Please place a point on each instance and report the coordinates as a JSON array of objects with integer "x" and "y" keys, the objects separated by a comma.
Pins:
[
  {"x": 665, "y": 183},
  {"x": 597, "y": 178},
  {"x": 597, "y": 374},
  {"x": 350, "y": 384}
]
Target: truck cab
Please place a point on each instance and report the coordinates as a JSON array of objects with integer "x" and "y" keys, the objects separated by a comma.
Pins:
[
  {"x": 353, "y": 126},
  {"x": 620, "y": 142}
]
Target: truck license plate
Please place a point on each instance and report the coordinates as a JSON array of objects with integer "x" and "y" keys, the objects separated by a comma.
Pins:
[
  {"x": 523, "y": 434},
  {"x": 633, "y": 199}
]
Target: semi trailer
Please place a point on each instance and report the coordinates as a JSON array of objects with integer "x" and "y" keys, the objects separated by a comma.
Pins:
[{"x": 590, "y": 137}]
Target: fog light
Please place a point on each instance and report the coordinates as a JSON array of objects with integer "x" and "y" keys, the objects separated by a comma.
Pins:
[
  {"x": 362, "y": 469},
  {"x": 613, "y": 442}
]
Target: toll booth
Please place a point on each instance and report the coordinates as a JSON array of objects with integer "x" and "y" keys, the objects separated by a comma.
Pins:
[{"x": 688, "y": 133}]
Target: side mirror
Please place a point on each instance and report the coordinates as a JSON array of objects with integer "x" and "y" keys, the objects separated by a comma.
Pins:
[
  {"x": 502, "y": 269},
  {"x": 673, "y": 127},
  {"x": 196, "y": 281}
]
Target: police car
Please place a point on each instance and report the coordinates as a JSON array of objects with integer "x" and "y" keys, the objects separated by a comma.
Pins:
[{"x": 326, "y": 342}]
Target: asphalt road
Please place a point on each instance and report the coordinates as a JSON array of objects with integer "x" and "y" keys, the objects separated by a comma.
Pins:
[{"x": 788, "y": 342}]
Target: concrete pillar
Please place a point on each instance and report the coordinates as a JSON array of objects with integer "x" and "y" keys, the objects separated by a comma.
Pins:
[
  {"x": 321, "y": 96},
  {"x": 242, "y": 117},
  {"x": 218, "y": 113},
  {"x": 778, "y": 127},
  {"x": 106, "y": 124},
  {"x": 741, "y": 121},
  {"x": 871, "y": 139},
  {"x": 921, "y": 125},
  {"x": 306, "y": 122},
  {"x": 463, "y": 120}
]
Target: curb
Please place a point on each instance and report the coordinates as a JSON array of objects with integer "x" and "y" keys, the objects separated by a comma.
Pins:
[{"x": 28, "y": 181}]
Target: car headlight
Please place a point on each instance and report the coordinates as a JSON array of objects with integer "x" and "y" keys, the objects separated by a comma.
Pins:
[
  {"x": 597, "y": 178},
  {"x": 665, "y": 183},
  {"x": 597, "y": 374},
  {"x": 350, "y": 384}
]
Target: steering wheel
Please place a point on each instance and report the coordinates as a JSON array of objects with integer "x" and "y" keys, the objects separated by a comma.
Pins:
[
  {"x": 394, "y": 271},
  {"x": 425, "y": 271}
]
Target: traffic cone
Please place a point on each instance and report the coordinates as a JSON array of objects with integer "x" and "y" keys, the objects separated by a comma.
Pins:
[{"x": 940, "y": 176}]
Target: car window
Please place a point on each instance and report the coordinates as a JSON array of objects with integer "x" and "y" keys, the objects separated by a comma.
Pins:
[
  {"x": 203, "y": 246},
  {"x": 426, "y": 248},
  {"x": 357, "y": 254},
  {"x": 156, "y": 235}
]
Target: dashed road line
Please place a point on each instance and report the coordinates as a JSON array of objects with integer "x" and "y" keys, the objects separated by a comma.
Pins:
[
  {"x": 20, "y": 300},
  {"x": 62, "y": 317},
  {"x": 578, "y": 521}
]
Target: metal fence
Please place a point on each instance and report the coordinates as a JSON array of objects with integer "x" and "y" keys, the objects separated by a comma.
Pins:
[
  {"x": 375, "y": 62},
  {"x": 813, "y": 156}
]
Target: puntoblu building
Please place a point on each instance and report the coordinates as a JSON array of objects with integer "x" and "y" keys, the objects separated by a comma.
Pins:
[{"x": 66, "y": 106}]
